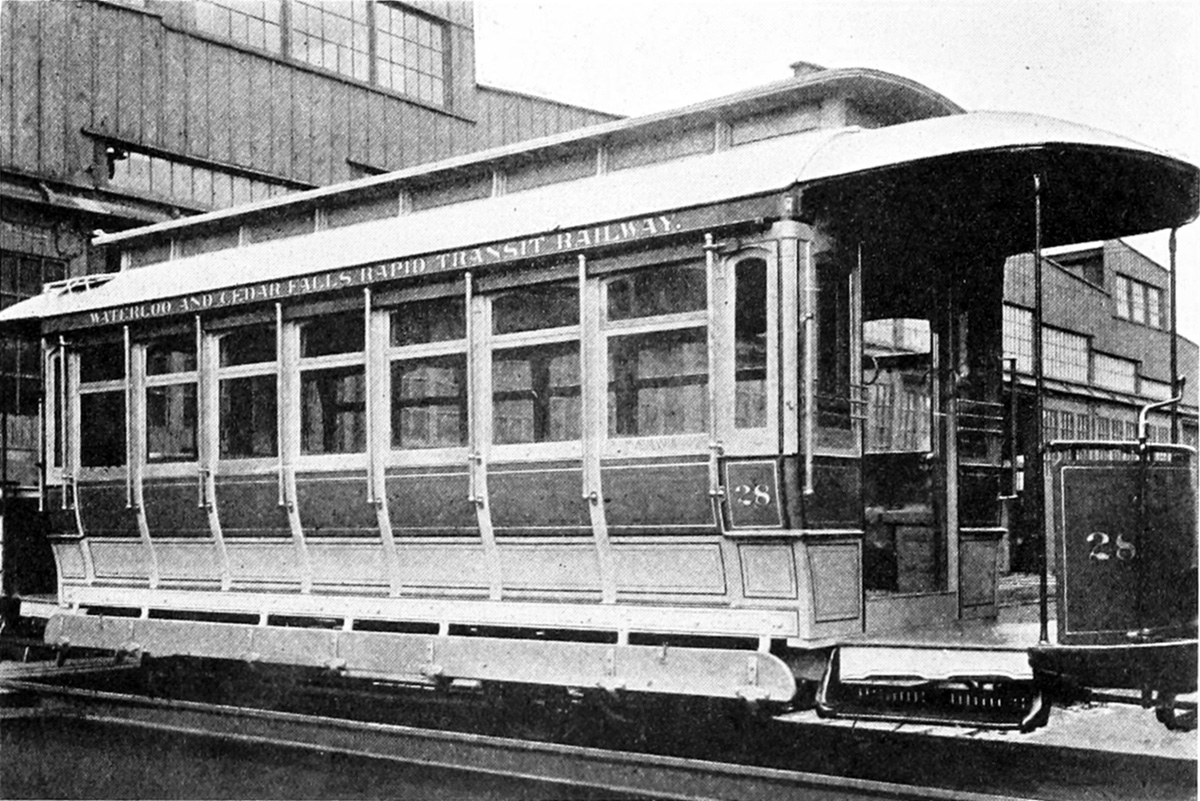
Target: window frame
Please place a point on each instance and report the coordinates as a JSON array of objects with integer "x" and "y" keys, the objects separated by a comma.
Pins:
[
  {"x": 613, "y": 445},
  {"x": 173, "y": 467},
  {"x": 456, "y": 454},
  {"x": 286, "y": 50},
  {"x": 492, "y": 342},
  {"x": 77, "y": 389},
  {"x": 220, "y": 374},
  {"x": 299, "y": 365},
  {"x": 722, "y": 368}
]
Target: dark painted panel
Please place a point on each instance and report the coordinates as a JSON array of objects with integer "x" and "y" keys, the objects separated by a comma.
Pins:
[
  {"x": 978, "y": 490},
  {"x": 534, "y": 496},
  {"x": 335, "y": 505},
  {"x": 248, "y": 506},
  {"x": 58, "y": 519},
  {"x": 670, "y": 497},
  {"x": 836, "y": 501},
  {"x": 103, "y": 512},
  {"x": 430, "y": 502},
  {"x": 173, "y": 510}
]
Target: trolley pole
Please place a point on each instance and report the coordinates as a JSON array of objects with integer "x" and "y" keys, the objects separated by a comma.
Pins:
[{"x": 1039, "y": 484}]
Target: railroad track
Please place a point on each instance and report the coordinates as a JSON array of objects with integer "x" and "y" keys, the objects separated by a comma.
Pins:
[{"x": 638, "y": 775}]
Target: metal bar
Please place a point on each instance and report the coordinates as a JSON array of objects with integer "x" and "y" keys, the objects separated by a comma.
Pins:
[
  {"x": 201, "y": 422},
  {"x": 472, "y": 436},
  {"x": 368, "y": 391},
  {"x": 281, "y": 406},
  {"x": 808, "y": 323},
  {"x": 1176, "y": 389},
  {"x": 129, "y": 434},
  {"x": 1038, "y": 401},
  {"x": 715, "y": 491}
]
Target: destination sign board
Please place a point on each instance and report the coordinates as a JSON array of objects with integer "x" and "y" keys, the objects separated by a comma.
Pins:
[{"x": 541, "y": 246}]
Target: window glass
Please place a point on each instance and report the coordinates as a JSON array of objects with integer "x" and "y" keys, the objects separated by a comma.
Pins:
[
  {"x": 250, "y": 22},
  {"x": 249, "y": 345},
  {"x": 439, "y": 320},
  {"x": 171, "y": 355},
  {"x": 429, "y": 402},
  {"x": 897, "y": 363},
  {"x": 833, "y": 342},
  {"x": 657, "y": 383},
  {"x": 102, "y": 362},
  {"x": 332, "y": 34},
  {"x": 750, "y": 345},
  {"x": 535, "y": 394},
  {"x": 335, "y": 333},
  {"x": 650, "y": 293},
  {"x": 1121, "y": 290},
  {"x": 333, "y": 410},
  {"x": 536, "y": 307},
  {"x": 102, "y": 428},
  {"x": 1137, "y": 298},
  {"x": 1154, "y": 306},
  {"x": 248, "y": 417},
  {"x": 410, "y": 54},
  {"x": 171, "y": 423}
]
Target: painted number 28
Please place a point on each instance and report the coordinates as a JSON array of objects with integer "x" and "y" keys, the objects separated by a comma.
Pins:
[
  {"x": 1102, "y": 552},
  {"x": 758, "y": 495}
]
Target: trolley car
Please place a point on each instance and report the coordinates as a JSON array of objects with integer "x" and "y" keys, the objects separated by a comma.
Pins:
[{"x": 608, "y": 410}]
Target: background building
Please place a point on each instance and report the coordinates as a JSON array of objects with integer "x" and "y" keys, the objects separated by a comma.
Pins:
[
  {"x": 116, "y": 114},
  {"x": 1106, "y": 347}
]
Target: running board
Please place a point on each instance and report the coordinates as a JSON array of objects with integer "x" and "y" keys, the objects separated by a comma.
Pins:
[{"x": 941, "y": 686}]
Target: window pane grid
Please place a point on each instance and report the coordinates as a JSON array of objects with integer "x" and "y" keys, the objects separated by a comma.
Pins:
[
  {"x": 410, "y": 54},
  {"x": 251, "y": 22},
  {"x": 332, "y": 35},
  {"x": 1114, "y": 373},
  {"x": 1065, "y": 355}
]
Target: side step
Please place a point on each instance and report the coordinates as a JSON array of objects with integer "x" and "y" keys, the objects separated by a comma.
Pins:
[{"x": 940, "y": 686}]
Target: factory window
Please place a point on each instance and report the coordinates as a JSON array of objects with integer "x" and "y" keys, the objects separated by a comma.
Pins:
[
  {"x": 1156, "y": 390},
  {"x": 1018, "y": 337},
  {"x": 333, "y": 35},
  {"x": 1065, "y": 355},
  {"x": 535, "y": 365},
  {"x": 429, "y": 374},
  {"x": 382, "y": 43},
  {"x": 171, "y": 381},
  {"x": 1111, "y": 372},
  {"x": 657, "y": 352},
  {"x": 410, "y": 54},
  {"x": 1138, "y": 301},
  {"x": 102, "y": 405},
  {"x": 248, "y": 393},
  {"x": 333, "y": 399},
  {"x": 21, "y": 277},
  {"x": 249, "y": 22}
]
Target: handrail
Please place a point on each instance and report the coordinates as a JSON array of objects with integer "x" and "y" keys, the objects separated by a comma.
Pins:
[
  {"x": 281, "y": 410},
  {"x": 368, "y": 391},
  {"x": 1144, "y": 414},
  {"x": 129, "y": 433}
]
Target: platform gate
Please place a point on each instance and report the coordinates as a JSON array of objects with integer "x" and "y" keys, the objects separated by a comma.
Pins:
[{"x": 1125, "y": 540}]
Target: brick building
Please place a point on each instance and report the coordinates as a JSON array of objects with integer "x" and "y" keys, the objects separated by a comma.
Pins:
[{"x": 1106, "y": 353}]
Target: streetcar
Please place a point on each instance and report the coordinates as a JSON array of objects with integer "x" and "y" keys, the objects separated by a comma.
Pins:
[{"x": 706, "y": 403}]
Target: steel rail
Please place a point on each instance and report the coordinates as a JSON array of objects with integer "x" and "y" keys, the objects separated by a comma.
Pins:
[{"x": 642, "y": 775}]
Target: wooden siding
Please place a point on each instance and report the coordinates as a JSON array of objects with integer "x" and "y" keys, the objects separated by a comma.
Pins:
[
  {"x": 506, "y": 117},
  {"x": 141, "y": 76}
]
